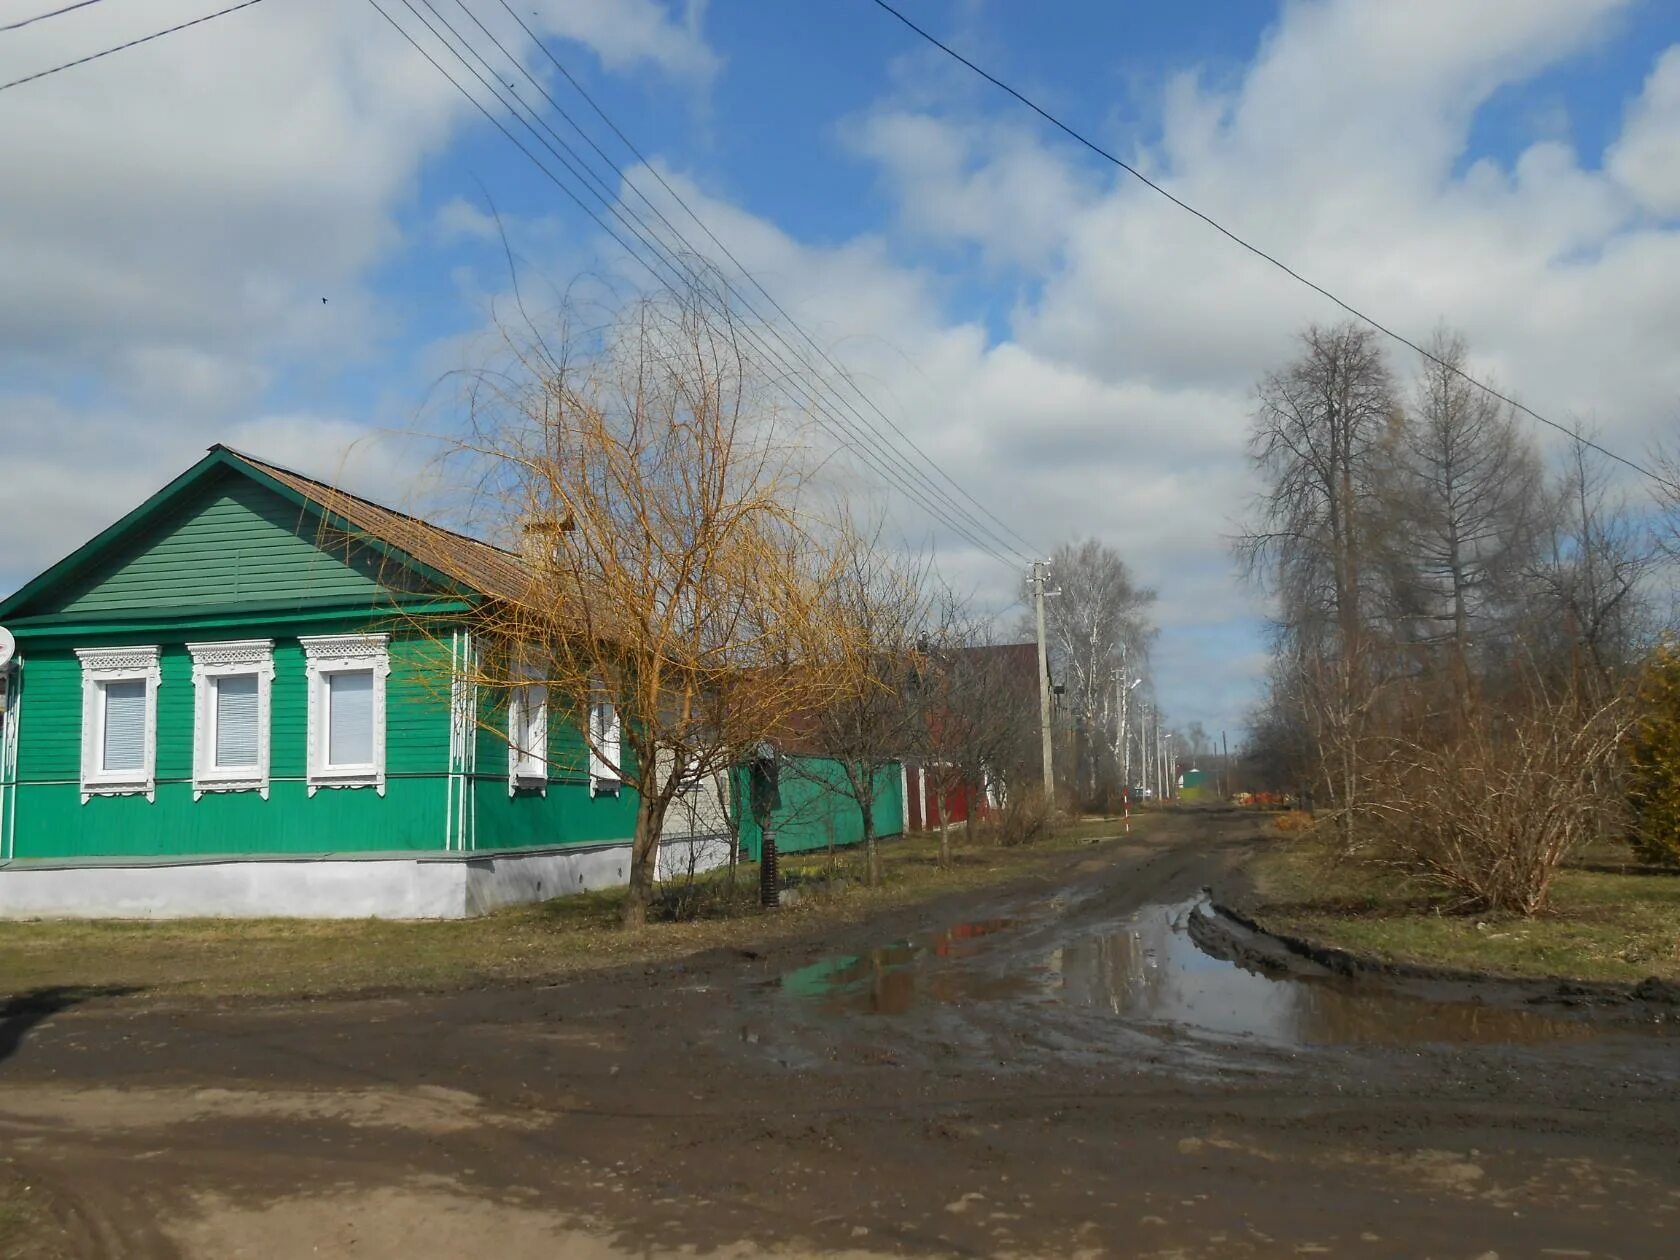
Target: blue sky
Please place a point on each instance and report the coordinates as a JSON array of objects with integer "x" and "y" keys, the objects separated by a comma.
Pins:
[{"x": 1074, "y": 352}]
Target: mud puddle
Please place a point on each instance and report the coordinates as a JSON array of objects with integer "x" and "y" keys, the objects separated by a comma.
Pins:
[
  {"x": 897, "y": 978},
  {"x": 1146, "y": 970}
]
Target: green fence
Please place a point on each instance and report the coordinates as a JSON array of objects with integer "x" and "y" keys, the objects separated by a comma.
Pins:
[{"x": 818, "y": 809}]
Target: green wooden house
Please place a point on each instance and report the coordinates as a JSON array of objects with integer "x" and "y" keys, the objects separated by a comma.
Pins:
[{"x": 240, "y": 700}]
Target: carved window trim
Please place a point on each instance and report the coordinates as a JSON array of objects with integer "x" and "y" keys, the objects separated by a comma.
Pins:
[
  {"x": 230, "y": 659},
  {"x": 324, "y": 656},
  {"x": 101, "y": 666}
]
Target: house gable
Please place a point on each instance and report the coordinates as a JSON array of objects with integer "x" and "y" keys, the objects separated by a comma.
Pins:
[{"x": 218, "y": 538}]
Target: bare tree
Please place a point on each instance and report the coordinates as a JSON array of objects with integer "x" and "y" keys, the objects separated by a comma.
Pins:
[
  {"x": 1592, "y": 573},
  {"x": 1322, "y": 439},
  {"x": 676, "y": 609},
  {"x": 1472, "y": 503},
  {"x": 871, "y": 720}
]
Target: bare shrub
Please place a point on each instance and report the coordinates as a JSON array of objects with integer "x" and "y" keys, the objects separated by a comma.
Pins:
[
  {"x": 1022, "y": 819},
  {"x": 1488, "y": 810}
]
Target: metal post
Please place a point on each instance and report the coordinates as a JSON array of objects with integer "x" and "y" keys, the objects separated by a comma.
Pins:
[
  {"x": 769, "y": 872},
  {"x": 1038, "y": 577}
]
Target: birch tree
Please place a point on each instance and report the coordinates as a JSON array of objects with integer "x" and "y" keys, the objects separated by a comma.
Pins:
[{"x": 1095, "y": 626}]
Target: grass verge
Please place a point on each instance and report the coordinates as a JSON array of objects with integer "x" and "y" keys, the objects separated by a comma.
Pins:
[
  {"x": 1598, "y": 927},
  {"x": 292, "y": 958}
]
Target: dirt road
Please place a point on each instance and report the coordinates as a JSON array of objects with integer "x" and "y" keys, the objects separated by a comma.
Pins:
[{"x": 1050, "y": 1069}]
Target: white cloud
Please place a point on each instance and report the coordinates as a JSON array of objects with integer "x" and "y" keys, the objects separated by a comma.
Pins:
[
  {"x": 1118, "y": 403},
  {"x": 997, "y": 186},
  {"x": 200, "y": 220},
  {"x": 626, "y": 33},
  {"x": 460, "y": 220},
  {"x": 1647, "y": 158}
]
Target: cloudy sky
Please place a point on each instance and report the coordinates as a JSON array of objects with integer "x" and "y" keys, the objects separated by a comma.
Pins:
[{"x": 275, "y": 230}]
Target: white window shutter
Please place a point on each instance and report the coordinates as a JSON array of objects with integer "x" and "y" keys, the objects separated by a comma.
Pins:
[
  {"x": 123, "y": 741},
  {"x": 350, "y": 718},
  {"x": 237, "y": 722}
]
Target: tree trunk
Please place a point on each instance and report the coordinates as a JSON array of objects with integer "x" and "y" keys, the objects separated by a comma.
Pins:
[
  {"x": 871, "y": 850},
  {"x": 644, "y": 854},
  {"x": 944, "y": 833}
]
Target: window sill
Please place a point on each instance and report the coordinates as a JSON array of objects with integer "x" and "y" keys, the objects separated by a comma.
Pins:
[
  {"x": 120, "y": 787},
  {"x": 605, "y": 787},
  {"x": 528, "y": 781},
  {"x": 347, "y": 779},
  {"x": 251, "y": 784}
]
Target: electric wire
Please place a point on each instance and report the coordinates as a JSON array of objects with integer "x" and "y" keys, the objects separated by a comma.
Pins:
[
  {"x": 636, "y": 229},
  {"x": 824, "y": 416},
  {"x": 969, "y": 518},
  {"x": 42, "y": 17},
  {"x": 728, "y": 253},
  {"x": 133, "y": 43},
  {"x": 824, "y": 420},
  {"x": 1385, "y": 330}
]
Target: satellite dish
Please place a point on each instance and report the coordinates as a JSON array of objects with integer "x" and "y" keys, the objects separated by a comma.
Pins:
[{"x": 8, "y": 647}]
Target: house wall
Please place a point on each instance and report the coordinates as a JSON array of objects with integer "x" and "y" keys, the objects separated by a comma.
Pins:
[
  {"x": 818, "y": 809},
  {"x": 567, "y": 810},
  {"x": 47, "y": 818}
]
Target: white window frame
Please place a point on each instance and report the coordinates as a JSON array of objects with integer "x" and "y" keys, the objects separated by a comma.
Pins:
[
  {"x": 329, "y": 654},
  {"x": 230, "y": 659},
  {"x": 604, "y": 778},
  {"x": 109, "y": 665},
  {"x": 528, "y": 772}
]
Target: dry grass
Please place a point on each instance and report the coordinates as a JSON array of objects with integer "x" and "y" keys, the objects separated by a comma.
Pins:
[
  {"x": 204, "y": 958},
  {"x": 1598, "y": 926}
]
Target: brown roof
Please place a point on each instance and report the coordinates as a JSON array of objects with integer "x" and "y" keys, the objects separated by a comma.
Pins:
[{"x": 475, "y": 564}]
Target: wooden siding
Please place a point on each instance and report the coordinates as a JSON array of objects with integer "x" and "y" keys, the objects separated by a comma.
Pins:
[
  {"x": 52, "y": 822},
  {"x": 568, "y": 812},
  {"x": 229, "y": 542},
  {"x": 818, "y": 809}
]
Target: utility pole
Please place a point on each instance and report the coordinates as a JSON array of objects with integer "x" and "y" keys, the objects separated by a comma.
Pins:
[
  {"x": 1040, "y": 573},
  {"x": 1143, "y": 745}
]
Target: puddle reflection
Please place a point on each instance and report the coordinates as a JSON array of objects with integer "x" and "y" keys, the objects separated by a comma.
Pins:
[
  {"x": 887, "y": 980},
  {"x": 1152, "y": 970},
  {"x": 1148, "y": 970}
]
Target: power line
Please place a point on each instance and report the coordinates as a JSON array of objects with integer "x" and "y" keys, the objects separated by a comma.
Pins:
[
  {"x": 1358, "y": 314},
  {"x": 886, "y": 436},
  {"x": 133, "y": 43},
  {"x": 42, "y": 17},
  {"x": 751, "y": 279},
  {"x": 826, "y": 417},
  {"x": 637, "y": 228},
  {"x": 883, "y": 470}
]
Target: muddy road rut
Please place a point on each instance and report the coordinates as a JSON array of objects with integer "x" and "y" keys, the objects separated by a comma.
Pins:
[{"x": 1052, "y": 1068}]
